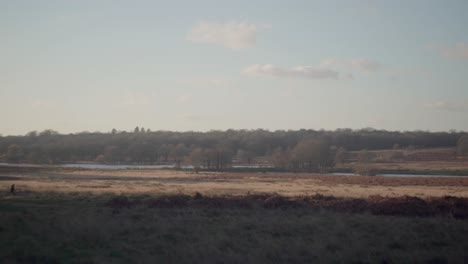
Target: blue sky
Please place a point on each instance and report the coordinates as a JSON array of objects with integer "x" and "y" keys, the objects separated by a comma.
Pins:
[{"x": 199, "y": 65}]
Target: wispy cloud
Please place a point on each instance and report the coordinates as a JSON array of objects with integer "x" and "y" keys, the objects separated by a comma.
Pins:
[
  {"x": 447, "y": 106},
  {"x": 366, "y": 65},
  {"x": 334, "y": 68},
  {"x": 231, "y": 35},
  {"x": 354, "y": 66},
  {"x": 203, "y": 82},
  {"x": 307, "y": 72},
  {"x": 458, "y": 51},
  {"x": 361, "y": 64}
]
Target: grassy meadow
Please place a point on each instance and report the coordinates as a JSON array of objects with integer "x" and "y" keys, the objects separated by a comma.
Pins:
[
  {"x": 81, "y": 228},
  {"x": 75, "y": 216},
  {"x": 228, "y": 183}
]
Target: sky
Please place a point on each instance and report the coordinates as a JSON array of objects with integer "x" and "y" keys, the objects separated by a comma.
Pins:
[{"x": 76, "y": 66}]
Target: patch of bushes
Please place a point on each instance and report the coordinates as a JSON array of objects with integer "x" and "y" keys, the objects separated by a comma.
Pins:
[{"x": 402, "y": 206}]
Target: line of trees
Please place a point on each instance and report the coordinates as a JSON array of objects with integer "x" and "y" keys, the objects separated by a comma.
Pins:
[{"x": 292, "y": 149}]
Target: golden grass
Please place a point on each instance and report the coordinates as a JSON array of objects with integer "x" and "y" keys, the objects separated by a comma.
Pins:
[{"x": 217, "y": 183}]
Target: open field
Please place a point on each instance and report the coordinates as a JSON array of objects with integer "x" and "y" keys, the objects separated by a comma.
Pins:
[
  {"x": 156, "y": 216},
  {"x": 223, "y": 183},
  {"x": 84, "y": 228}
]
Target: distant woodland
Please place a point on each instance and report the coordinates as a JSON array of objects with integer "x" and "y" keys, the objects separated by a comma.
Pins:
[{"x": 293, "y": 149}]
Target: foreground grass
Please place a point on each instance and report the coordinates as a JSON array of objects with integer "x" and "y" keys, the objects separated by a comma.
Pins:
[{"x": 78, "y": 228}]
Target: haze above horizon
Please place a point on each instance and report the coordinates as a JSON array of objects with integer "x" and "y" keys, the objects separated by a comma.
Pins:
[{"x": 205, "y": 65}]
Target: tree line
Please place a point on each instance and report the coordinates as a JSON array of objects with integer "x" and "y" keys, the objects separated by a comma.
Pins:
[{"x": 292, "y": 149}]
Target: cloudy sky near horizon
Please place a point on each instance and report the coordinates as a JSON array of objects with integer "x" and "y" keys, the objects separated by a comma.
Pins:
[{"x": 198, "y": 65}]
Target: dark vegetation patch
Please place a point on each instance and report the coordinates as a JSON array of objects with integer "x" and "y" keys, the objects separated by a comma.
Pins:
[
  {"x": 11, "y": 178},
  {"x": 78, "y": 228},
  {"x": 399, "y": 206}
]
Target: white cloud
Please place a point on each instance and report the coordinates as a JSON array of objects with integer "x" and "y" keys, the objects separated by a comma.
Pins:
[
  {"x": 327, "y": 69},
  {"x": 331, "y": 62},
  {"x": 458, "y": 51},
  {"x": 231, "y": 35},
  {"x": 447, "y": 106},
  {"x": 366, "y": 65},
  {"x": 361, "y": 64},
  {"x": 307, "y": 72}
]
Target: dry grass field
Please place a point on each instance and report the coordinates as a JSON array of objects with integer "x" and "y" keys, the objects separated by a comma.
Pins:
[
  {"x": 224, "y": 183},
  {"x": 146, "y": 216}
]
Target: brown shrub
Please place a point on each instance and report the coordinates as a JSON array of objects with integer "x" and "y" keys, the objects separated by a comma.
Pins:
[
  {"x": 349, "y": 205},
  {"x": 406, "y": 205},
  {"x": 449, "y": 205},
  {"x": 403, "y": 206},
  {"x": 276, "y": 201},
  {"x": 169, "y": 201}
]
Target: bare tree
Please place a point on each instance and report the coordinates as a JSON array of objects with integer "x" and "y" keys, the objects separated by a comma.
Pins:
[
  {"x": 281, "y": 158},
  {"x": 341, "y": 155},
  {"x": 462, "y": 146},
  {"x": 363, "y": 167},
  {"x": 245, "y": 156},
  {"x": 111, "y": 154},
  {"x": 196, "y": 158},
  {"x": 311, "y": 154},
  {"x": 178, "y": 153}
]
